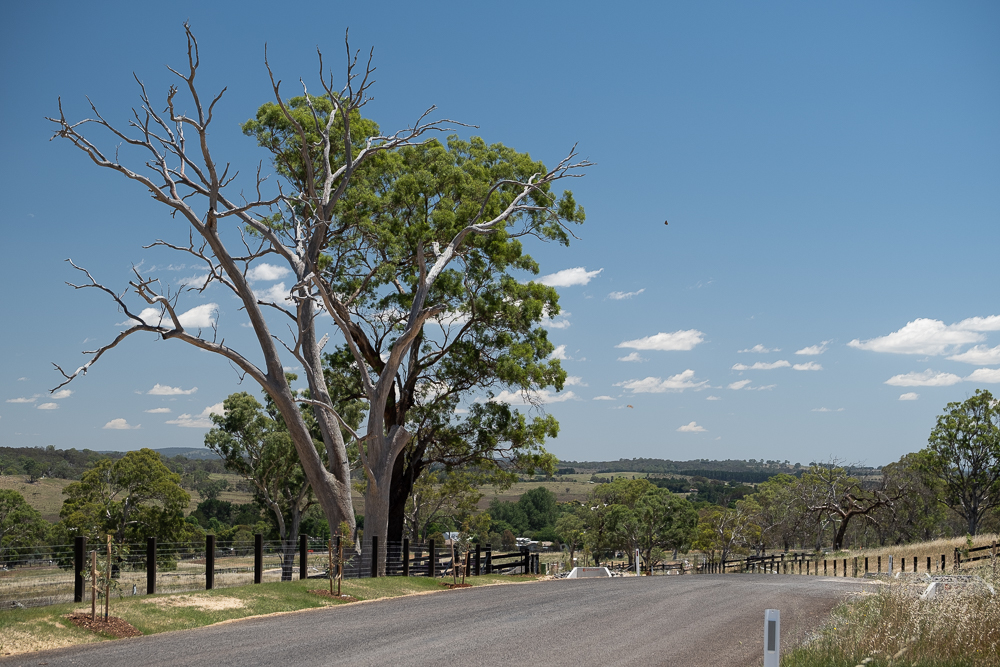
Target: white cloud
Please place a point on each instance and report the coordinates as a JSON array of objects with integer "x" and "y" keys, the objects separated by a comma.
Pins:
[
  {"x": 987, "y": 375},
  {"x": 450, "y": 318},
  {"x": 158, "y": 411},
  {"x": 164, "y": 390},
  {"x": 532, "y": 398},
  {"x": 199, "y": 317},
  {"x": 21, "y": 379},
  {"x": 276, "y": 293},
  {"x": 569, "y": 277},
  {"x": 267, "y": 272},
  {"x": 23, "y": 399},
  {"x": 980, "y": 355},
  {"x": 926, "y": 379},
  {"x": 991, "y": 323},
  {"x": 712, "y": 398},
  {"x": 203, "y": 420},
  {"x": 678, "y": 340},
  {"x": 604, "y": 398},
  {"x": 120, "y": 425},
  {"x": 759, "y": 349},
  {"x": 814, "y": 349},
  {"x": 48, "y": 406},
  {"x": 691, "y": 428},
  {"x": 618, "y": 296},
  {"x": 62, "y": 393},
  {"x": 808, "y": 366},
  {"x": 909, "y": 396},
  {"x": 575, "y": 381},
  {"x": 561, "y": 323},
  {"x": 930, "y": 337},
  {"x": 631, "y": 356},
  {"x": 826, "y": 410},
  {"x": 652, "y": 385},
  {"x": 763, "y": 387},
  {"x": 762, "y": 366},
  {"x": 559, "y": 353},
  {"x": 739, "y": 384},
  {"x": 197, "y": 280}
]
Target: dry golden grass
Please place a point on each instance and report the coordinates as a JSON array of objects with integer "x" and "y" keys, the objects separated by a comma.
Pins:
[
  {"x": 45, "y": 495},
  {"x": 935, "y": 549},
  {"x": 893, "y": 626}
]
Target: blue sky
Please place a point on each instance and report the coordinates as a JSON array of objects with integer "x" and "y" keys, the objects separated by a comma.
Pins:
[{"x": 830, "y": 171}]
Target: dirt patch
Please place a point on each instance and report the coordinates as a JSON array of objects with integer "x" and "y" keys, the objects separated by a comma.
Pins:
[
  {"x": 113, "y": 627},
  {"x": 456, "y": 585},
  {"x": 202, "y": 602},
  {"x": 322, "y": 592}
]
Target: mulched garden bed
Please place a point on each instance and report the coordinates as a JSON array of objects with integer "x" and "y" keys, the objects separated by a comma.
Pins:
[
  {"x": 327, "y": 594},
  {"x": 114, "y": 626}
]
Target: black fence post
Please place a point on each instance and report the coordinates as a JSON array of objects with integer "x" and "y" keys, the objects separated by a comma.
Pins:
[
  {"x": 209, "y": 562},
  {"x": 150, "y": 565},
  {"x": 479, "y": 559},
  {"x": 303, "y": 556},
  {"x": 431, "y": 558},
  {"x": 942, "y": 563},
  {"x": 258, "y": 558},
  {"x": 928, "y": 564},
  {"x": 79, "y": 567},
  {"x": 489, "y": 558},
  {"x": 406, "y": 556},
  {"x": 374, "y": 556}
]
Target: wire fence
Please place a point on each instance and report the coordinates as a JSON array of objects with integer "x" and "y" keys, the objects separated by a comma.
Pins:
[{"x": 47, "y": 575}]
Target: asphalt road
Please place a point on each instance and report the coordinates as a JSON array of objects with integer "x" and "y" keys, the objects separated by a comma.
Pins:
[{"x": 710, "y": 620}]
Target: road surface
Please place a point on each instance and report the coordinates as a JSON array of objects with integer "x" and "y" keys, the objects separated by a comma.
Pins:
[{"x": 710, "y": 620}]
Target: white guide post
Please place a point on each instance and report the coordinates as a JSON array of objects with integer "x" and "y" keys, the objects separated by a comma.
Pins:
[
  {"x": 637, "y": 562},
  {"x": 772, "y": 637}
]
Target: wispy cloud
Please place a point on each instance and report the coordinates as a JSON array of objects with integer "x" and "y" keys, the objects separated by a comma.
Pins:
[
  {"x": 678, "y": 340},
  {"x": 158, "y": 411},
  {"x": 759, "y": 349},
  {"x": 980, "y": 355},
  {"x": 712, "y": 398},
  {"x": 533, "y": 398},
  {"x": 48, "y": 406},
  {"x": 569, "y": 277},
  {"x": 814, "y": 349},
  {"x": 202, "y": 420},
  {"x": 746, "y": 386},
  {"x": 267, "y": 272},
  {"x": 654, "y": 385},
  {"x": 762, "y": 366},
  {"x": 575, "y": 381},
  {"x": 909, "y": 396},
  {"x": 120, "y": 425},
  {"x": 927, "y": 378},
  {"x": 618, "y": 296},
  {"x": 560, "y": 321},
  {"x": 164, "y": 390},
  {"x": 62, "y": 393},
  {"x": 605, "y": 398},
  {"x": 631, "y": 356},
  {"x": 808, "y": 366},
  {"x": 24, "y": 399},
  {"x": 826, "y": 410},
  {"x": 739, "y": 384},
  {"x": 691, "y": 427},
  {"x": 559, "y": 353},
  {"x": 199, "y": 317},
  {"x": 931, "y": 337}
]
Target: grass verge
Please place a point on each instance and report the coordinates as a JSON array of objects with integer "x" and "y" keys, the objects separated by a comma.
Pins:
[
  {"x": 41, "y": 628},
  {"x": 894, "y": 627}
]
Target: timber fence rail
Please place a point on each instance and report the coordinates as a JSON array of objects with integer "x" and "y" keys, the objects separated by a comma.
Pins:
[
  {"x": 855, "y": 566},
  {"x": 44, "y": 575}
]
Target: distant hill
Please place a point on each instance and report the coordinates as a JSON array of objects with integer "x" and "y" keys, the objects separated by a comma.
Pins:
[
  {"x": 748, "y": 471},
  {"x": 199, "y": 453}
]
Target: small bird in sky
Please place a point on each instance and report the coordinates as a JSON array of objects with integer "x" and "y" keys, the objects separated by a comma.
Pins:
[
  {"x": 665, "y": 222},
  {"x": 628, "y": 406}
]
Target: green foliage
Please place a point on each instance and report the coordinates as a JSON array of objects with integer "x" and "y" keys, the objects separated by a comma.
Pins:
[
  {"x": 963, "y": 452},
  {"x": 133, "y": 498},
  {"x": 534, "y": 511},
  {"x": 20, "y": 524}
]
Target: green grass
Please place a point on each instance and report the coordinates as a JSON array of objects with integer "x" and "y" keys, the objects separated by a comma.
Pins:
[{"x": 27, "y": 630}]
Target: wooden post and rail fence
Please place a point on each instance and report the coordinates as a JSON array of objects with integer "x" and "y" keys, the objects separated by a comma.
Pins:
[{"x": 810, "y": 564}]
